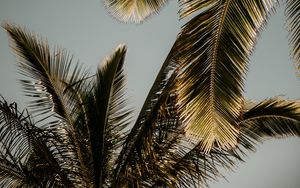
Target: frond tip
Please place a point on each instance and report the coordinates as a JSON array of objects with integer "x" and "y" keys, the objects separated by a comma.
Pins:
[
  {"x": 221, "y": 135},
  {"x": 134, "y": 11}
]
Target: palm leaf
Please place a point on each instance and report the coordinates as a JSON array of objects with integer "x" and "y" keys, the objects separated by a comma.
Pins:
[
  {"x": 187, "y": 8},
  {"x": 271, "y": 118},
  {"x": 20, "y": 141},
  {"x": 50, "y": 73},
  {"x": 54, "y": 87},
  {"x": 133, "y": 10},
  {"x": 107, "y": 115},
  {"x": 14, "y": 146},
  {"x": 293, "y": 26},
  {"x": 118, "y": 115},
  {"x": 213, "y": 49}
]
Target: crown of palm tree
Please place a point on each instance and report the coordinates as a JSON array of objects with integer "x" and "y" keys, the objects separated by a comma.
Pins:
[
  {"x": 212, "y": 55},
  {"x": 194, "y": 119}
]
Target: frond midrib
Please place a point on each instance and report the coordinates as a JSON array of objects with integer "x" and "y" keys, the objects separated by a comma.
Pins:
[{"x": 215, "y": 50}]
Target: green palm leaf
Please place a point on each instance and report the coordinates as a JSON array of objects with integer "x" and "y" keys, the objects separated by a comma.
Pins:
[
  {"x": 133, "y": 10},
  {"x": 293, "y": 26},
  {"x": 213, "y": 49}
]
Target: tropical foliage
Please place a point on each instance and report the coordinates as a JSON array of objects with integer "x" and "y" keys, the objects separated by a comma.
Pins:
[
  {"x": 133, "y": 10},
  {"x": 77, "y": 131},
  {"x": 213, "y": 49}
]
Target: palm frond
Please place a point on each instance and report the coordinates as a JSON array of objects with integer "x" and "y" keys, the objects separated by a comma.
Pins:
[
  {"x": 20, "y": 141},
  {"x": 187, "y": 8},
  {"x": 133, "y": 10},
  {"x": 161, "y": 155},
  {"x": 293, "y": 26},
  {"x": 118, "y": 116},
  {"x": 50, "y": 72},
  {"x": 213, "y": 50},
  {"x": 107, "y": 114},
  {"x": 14, "y": 146},
  {"x": 271, "y": 118},
  {"x": 55, "y": 88}
]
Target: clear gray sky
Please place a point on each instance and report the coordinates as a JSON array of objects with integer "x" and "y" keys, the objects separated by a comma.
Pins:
[{"x": 85, "y": 30}]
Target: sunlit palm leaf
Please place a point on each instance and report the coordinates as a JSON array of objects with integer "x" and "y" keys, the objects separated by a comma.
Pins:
[
  {"x": 133, "y": 10},
  {"x": 213, "y": 49},
  {"x": 272, "y": 118},
  {"x": 188, "y": 7},
  {"x": 293, "y": 26}
]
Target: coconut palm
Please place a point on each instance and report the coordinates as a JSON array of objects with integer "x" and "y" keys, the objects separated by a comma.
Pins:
[
  {"x": 211, "y": 56},
  {"x": 76, "y": 132}
]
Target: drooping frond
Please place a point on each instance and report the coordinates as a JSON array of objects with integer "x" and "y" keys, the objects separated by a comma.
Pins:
[
  {"x": 213, "y": 50},
  {"x": 133, "y": 10},
  {"x": 55, "y": 88},
  {"x": 271, "y": 118},
  {"x": 14, "y": 146},
  {"x": 107, "y": 114},
  {"x": 50, "y": 72},
  {"x": 293, "y": 26},
  {"x": 21, "y": 143}
]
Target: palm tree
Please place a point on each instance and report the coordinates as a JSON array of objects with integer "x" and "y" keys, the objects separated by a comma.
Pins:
[
  {"x": 76, "y": 131},
  {"x": 213, "y": 50}
]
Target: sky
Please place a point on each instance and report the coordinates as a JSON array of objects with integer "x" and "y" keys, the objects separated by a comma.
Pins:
[{"x": 85, "y": 30}]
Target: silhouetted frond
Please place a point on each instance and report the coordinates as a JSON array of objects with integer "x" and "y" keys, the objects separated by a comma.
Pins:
[
  {"x": 20, "y": 142},
  {"x": 107, "y": 114}
]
